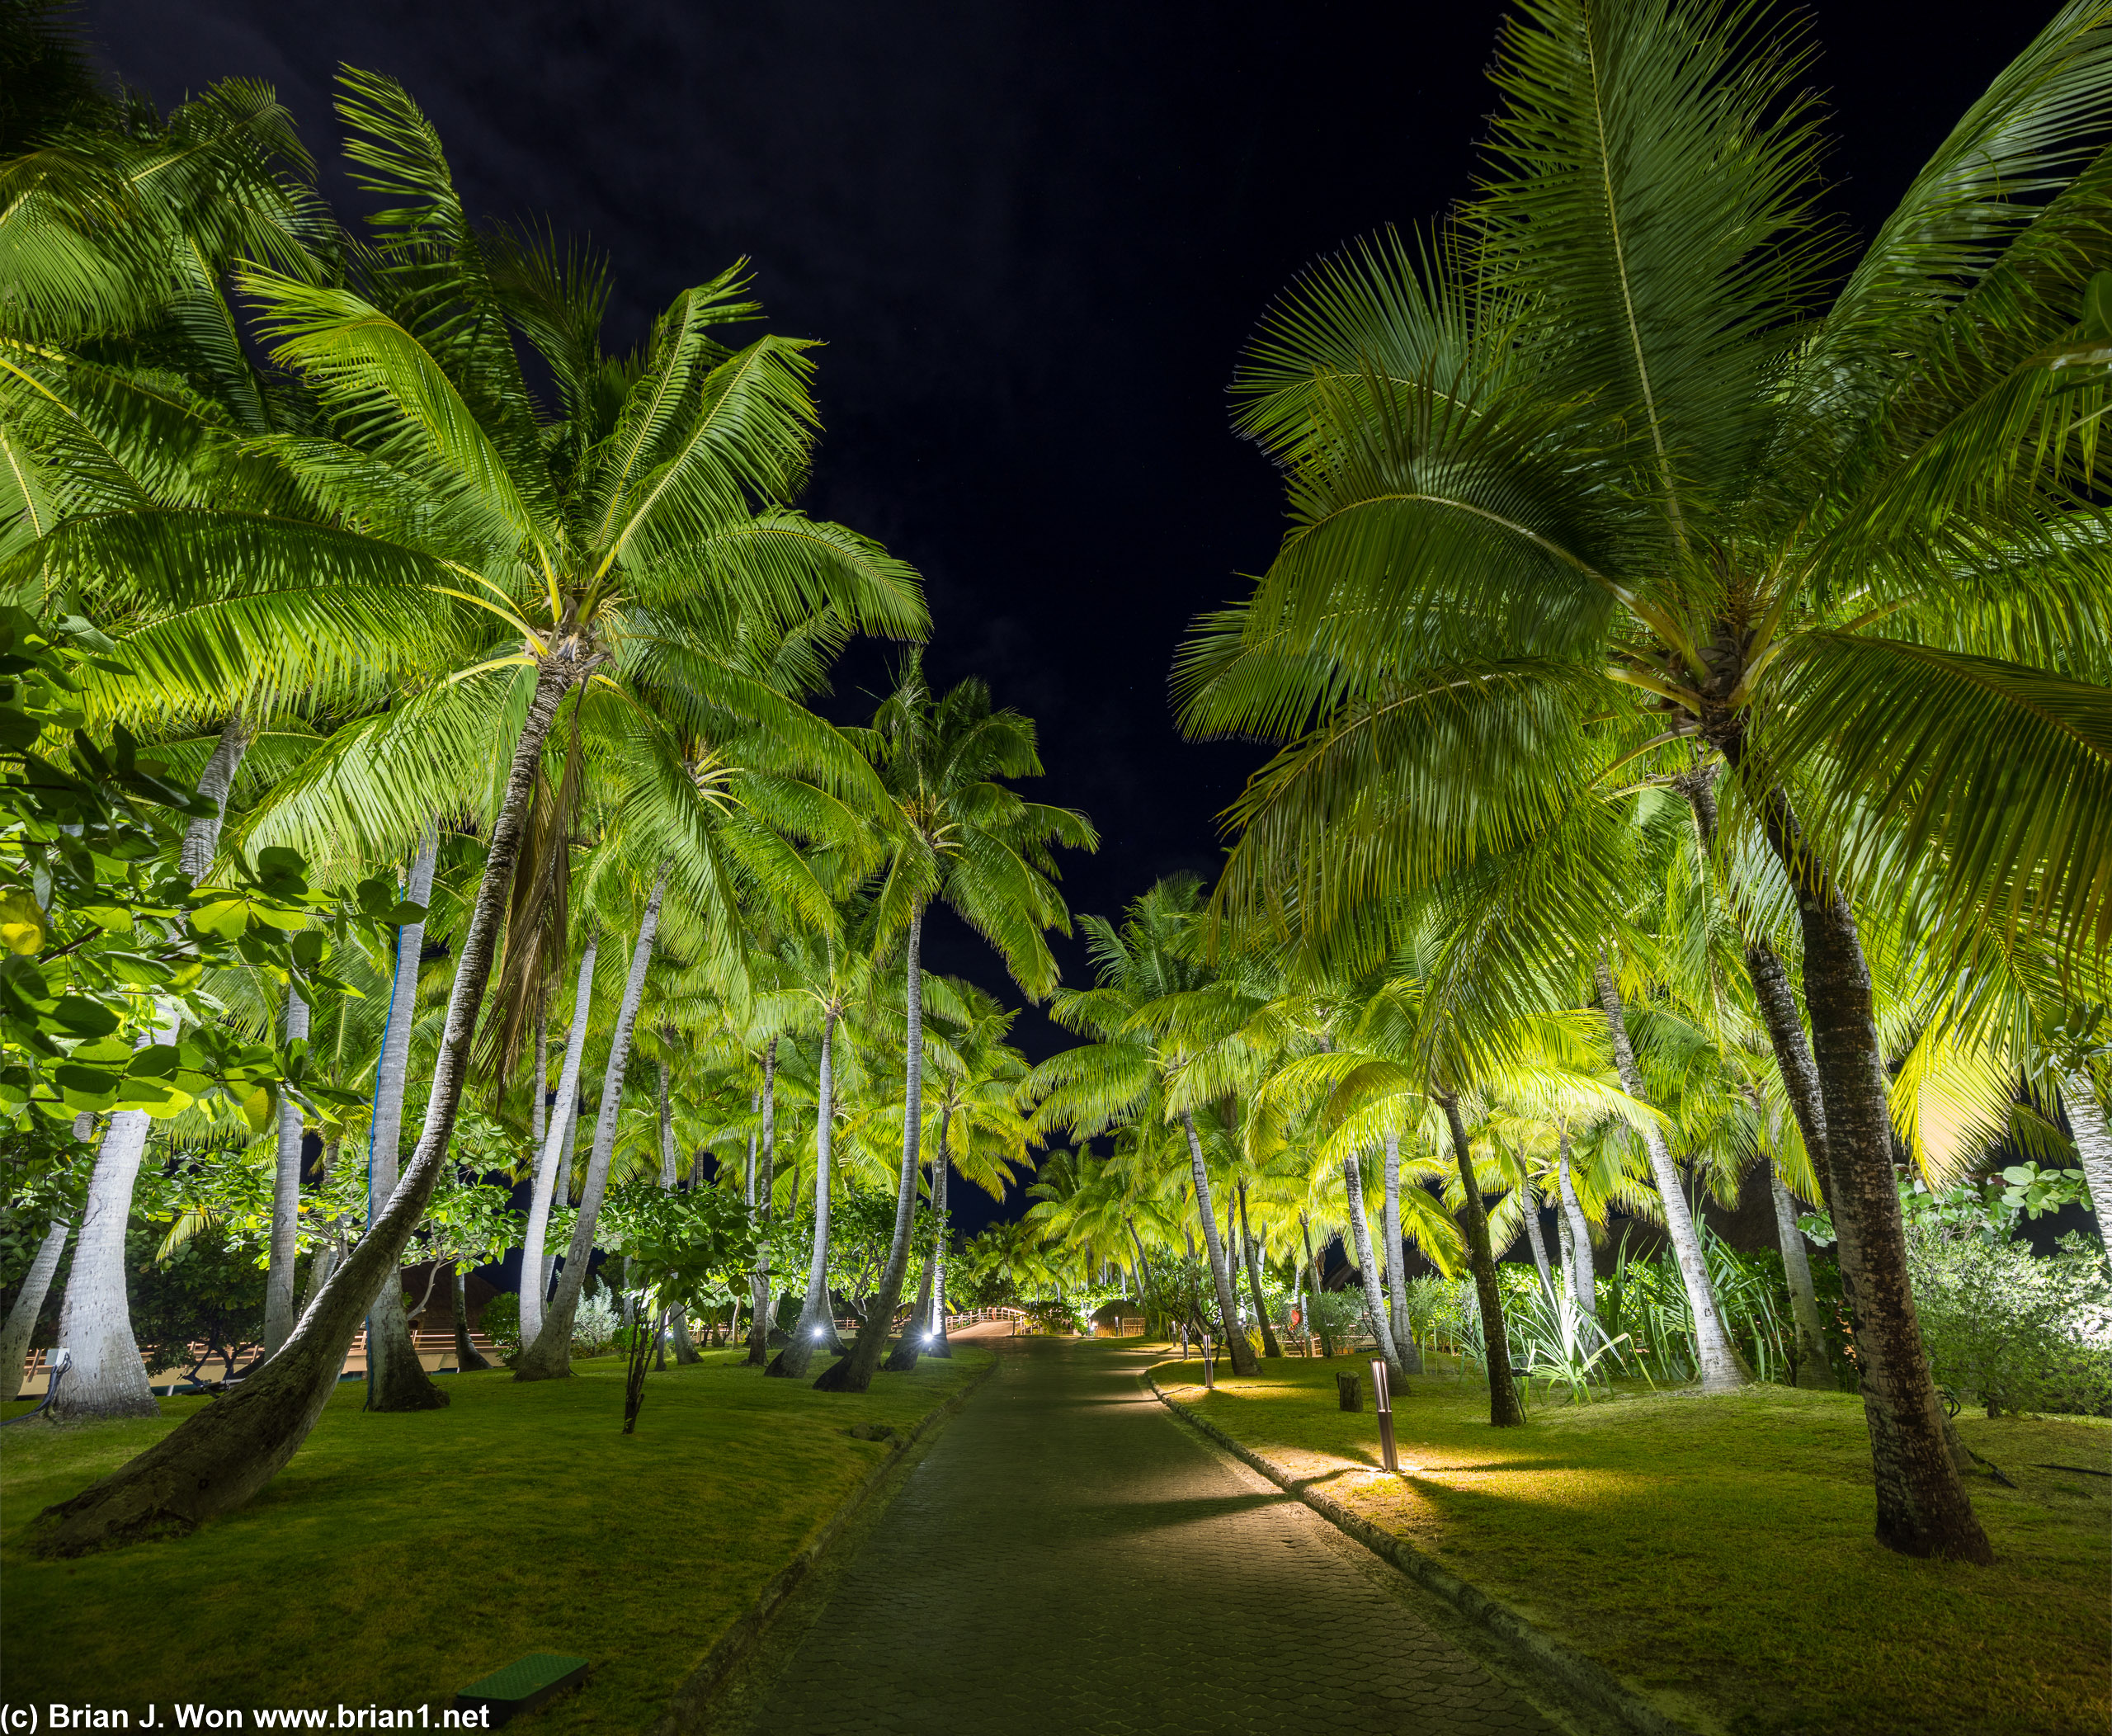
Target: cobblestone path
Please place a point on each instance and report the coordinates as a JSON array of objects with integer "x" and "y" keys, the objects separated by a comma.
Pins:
[{"x": 1068, "y": 1558}]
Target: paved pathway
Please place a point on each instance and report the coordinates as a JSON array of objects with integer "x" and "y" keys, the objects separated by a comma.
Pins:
[{"x": 1069, "y": 1559}]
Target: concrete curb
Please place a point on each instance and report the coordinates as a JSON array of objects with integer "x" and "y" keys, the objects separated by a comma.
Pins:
[
  {"x": 692, "y": 1703},
  {"x": 1588, "y": 1680}
]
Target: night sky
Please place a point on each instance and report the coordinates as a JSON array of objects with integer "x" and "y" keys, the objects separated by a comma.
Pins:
[{"x": 1035, "y": 237}]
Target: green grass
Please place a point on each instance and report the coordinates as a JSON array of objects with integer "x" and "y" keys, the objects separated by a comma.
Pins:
[
  {"x": 1717, "y": 1552},
  {"x": 399, "y": 1557}
]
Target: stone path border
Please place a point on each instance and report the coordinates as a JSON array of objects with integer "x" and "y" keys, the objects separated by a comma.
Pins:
[
  {"x": 690, "y": 1704},
  {"x": 1580, "y": 1675}
]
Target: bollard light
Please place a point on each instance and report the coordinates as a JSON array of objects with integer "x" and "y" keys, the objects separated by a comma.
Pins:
[{"x": 1383, "y": 1401}]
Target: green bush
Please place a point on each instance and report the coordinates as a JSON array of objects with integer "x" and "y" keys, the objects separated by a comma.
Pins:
[
  {"x": 2015, "y": 1330},
  {"x": 500, "y": 1322}
]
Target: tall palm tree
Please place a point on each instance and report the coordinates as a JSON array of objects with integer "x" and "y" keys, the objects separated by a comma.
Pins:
[
  {"x": 667, "y": 499},
  {"x": 956, "y": 834},
  {"x": 1147, "y": 1028},
  {"x": 1611, "y": 448}
]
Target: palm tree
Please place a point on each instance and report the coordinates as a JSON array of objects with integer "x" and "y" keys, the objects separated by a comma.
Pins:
[
  {"x": 1605, "y": 449},
  {"x": 668, "y": 499},
  {"x": 958, "y": 835},
  {"x": 972, "y": 1085},
  {"x": 1143, "y": 1016},
  {"x": 550, "y": 1355}
]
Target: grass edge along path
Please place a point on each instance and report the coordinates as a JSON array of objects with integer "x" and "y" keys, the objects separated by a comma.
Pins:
[
  {"x": 1572, "y": 1670},
  {"x": 401, "y": 1557},
  {"x": 1625, "y": 1535},
  {"x": 695, "y": 1701}
]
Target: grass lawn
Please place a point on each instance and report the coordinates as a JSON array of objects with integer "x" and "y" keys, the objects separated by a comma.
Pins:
[
  {"x": 1717, "y": 1552},
  {"x": 399, "y": 1557}
]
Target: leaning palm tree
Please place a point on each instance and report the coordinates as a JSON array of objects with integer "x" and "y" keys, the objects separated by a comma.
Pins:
[
  {"x": 956, "y": 834},
  {"x": 1609, "y": 456},
  {"x": 669, "y": 499}
]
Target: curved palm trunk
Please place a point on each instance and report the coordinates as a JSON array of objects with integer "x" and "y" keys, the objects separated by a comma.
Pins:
[
  {"x": 1923, "y": 1509},
  {"x": 1235, "y": 1341},
  {"x": 678, "y": 1321},
  {"x": 557, "y": 1152},
  {"x": 918, "y": 1337},
  {"x": 107, "y": 1378},
  {"x": 396, "y": 1380},
  {"x": 1143, "y": 1270},
  {"x": 1584, "y": 1275},
  {"x": 222, "y": 1456},
  {"x": 549, "y": 1357},
  {"x": 1813, "y": 1369},
  {"x": 761, "y": 1315},
  {"x": 29, "y": 1304},
  {"x": 467, "y": 1355},
  {"x": 1269, "y": 1346},
  {"x": 1374, "y": 1301},
  {"x": 1397, "y": 1275},
  {"x": 1504, "y": 1410},
  {"x": 286, "y": 1201},
  {"x": 817, "y": 1317},
  {"x": 2093, "y": 1140},
  {"x": 854, "y": 1373},
  {"x": 1723, "y": 1369}
]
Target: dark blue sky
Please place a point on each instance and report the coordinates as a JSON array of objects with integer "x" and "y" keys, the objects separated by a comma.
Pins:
[{"x": 1034, "y": 234}]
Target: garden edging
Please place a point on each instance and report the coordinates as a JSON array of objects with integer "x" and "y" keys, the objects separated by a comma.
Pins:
[
  {"x": 1589, "y": 1680},
  {"x": 692, "y": 1700}
]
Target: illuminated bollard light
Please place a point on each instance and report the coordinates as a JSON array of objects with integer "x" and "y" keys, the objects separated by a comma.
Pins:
[
  {"x": 1209, "y": 1364},
  {"x": 1382, "y": 1401}
]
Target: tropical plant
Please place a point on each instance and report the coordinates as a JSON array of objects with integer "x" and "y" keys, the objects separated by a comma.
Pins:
[
  {"x": 1601, "y": 472},
  {"x": 954, "y": 833}
]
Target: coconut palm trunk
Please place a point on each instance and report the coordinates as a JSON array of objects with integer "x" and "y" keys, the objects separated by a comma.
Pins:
[
  {"x": 557, "y": 1152},
  {"x": 1243, "y": 1361},
  {"x": 286, "y": 1200},
  {"x": 1143, "y": 1271},
  {"x": 222, "y": 1456},
  {"x": 938, "y": 1345},
  {"x": 1313, "y": 1266},
  {"x": 762, "y": 1173},
  {"x": 549, "y": 1357},
  {"x": 1776, "y": 999},
  {"x": 1923, "y": 1509},
  {"x": 107, "y": 1379},
  {"x": 919, "y": 1336},
  {"x": 29, "y": 1303},
  {"x": 396, "y": 1380},
  {"x": 1723, "y": 1369},
  {"x": 1397, "y": 1275},
  {"x": 854, "y": 1373},
  {"x": 1504, "y": 1410},
  {"x": 333, "y": 1250},
  {"x": 1813, "y": 1369},
  {"x": 467, "y": 1355},
  {"x": 1374, "y": 1300},
  {"x": 2093, "y": 1140},
  {"x": 1269, "y": 1346},
  {"x": 817, "y": 1316},
  {"x": 1532, "y": 1223},
  {"x": 678, "y": 1319},
  {"x": 1584, "y": 1275}
]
